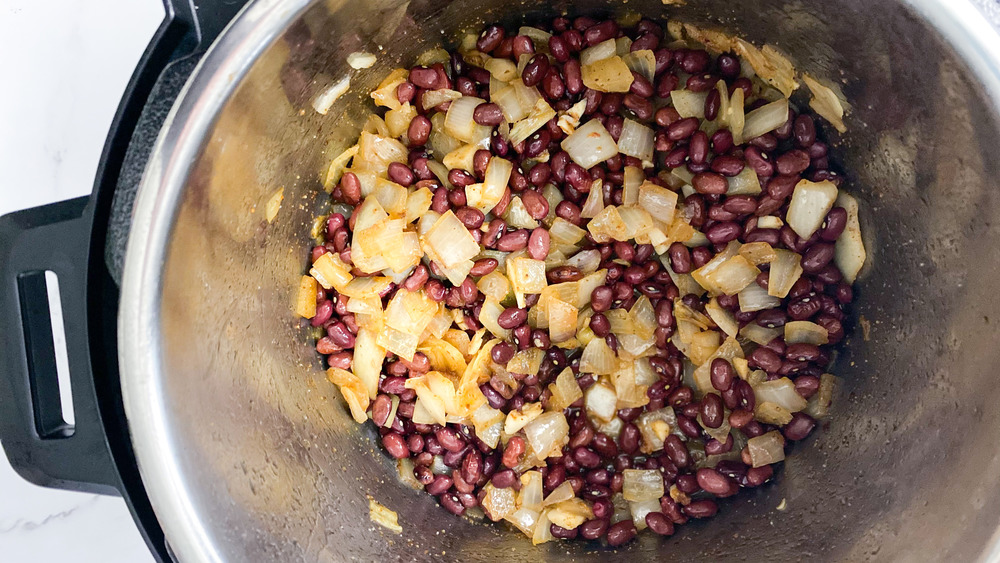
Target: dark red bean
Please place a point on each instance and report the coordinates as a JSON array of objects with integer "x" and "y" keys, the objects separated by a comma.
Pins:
[
  {"x": 512, "y": 317},
  {"x": 665, "y": 116},
  {"x": 536, "y": 68},
  {"x": 702, "y": 508},
  {"x": 682, "y": 129},
  {"x": 833, "y": 226},
  {"x": 593, "y": 529},
  {"x": 621, "y": 533},
  {"x": 641, "y": 86},
  {"x": 600, "y": 32},
  {"x": 816, "y": 257},
  {"x": 712, "y": 103},
  {"x": 564, "y": 274},
  {"x": 721, "y": 374},
  {"x": 688, "y": 426},
  {"x": 439, "y": 485},
  {"x": 601, "y": 298},
  {"x": 710, "y": 183},
  {"x": 488, "y": 114},
  {"x": 799, "y": 427},
  {"x": 803, "y": 308},
  {"x": 805, "y": 131},
  {"x": 698, "y": 147},
  {"x": 490, "y": 38},
  {"x": 765, "y": 359},
  {"x": 573, "y": 76},
  {"x": 722, "y": 233},
  {"x": 757, "y": 160},
  {"x": 380, "y": 409},
  {"x": 523, "y": 45},
  {"x": 727, "y": 165},
  {"x": 503, "y": 479},
  {"x": 792, "y": 162},
  {"x": 722, "y": 142},
  {"x": 426, "y": 78},
  {"x": 714, "y": 482},
  {"x": 659, "y": 524},
  {"x": 771, "y": 318},
  {"x": 712, "y": 410},
  {"x": 680, "y": 258},
  {"x": 628, "y": 440},
  {"x": 600, "y": 325},
  {"x": 395, "y": 444},
  {"x": 513, "y": 241}
]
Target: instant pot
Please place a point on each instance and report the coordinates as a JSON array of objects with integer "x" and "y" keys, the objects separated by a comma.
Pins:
[{"x": 199, "y": 396}]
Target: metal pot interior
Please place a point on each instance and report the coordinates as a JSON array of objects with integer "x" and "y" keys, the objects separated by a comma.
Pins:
[{"x": 249, "y": 454}]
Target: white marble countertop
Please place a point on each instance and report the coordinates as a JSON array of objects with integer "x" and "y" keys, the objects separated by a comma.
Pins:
[{"x": 65, "y": 65}]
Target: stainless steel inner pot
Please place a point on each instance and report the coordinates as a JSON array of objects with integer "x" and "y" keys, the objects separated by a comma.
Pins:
[{"x": 248, "y": 454}]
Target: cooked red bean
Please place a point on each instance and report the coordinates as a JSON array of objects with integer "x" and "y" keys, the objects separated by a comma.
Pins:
[
  {"x": 488, "y": 114},
  {"x": 712, "y": 412},
  {"x": 721, "y": 233},
  {"x": 710, "y": 183},
  {"x": 512, "y": 317},
  {"x": 564, "y": 274},
  {"x": 621, "y": 533},
  {"x": 593, "y": 529},
  {"x": 793, "y": 162},
  {"x": 682, "y": 129},
  {"x": 512, "y": 241},
  {"x": 538, "y": 243},
  {"x": 804, "y": 131},
  {"x": 758, "y": 160},
  {"x": 799, "y": 427}
]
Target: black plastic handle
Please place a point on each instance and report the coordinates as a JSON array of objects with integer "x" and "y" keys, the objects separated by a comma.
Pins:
[{"x": 41, "y": 447}]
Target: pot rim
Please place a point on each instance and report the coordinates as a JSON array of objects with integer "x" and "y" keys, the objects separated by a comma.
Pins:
[{"x": 190, "y": 120}]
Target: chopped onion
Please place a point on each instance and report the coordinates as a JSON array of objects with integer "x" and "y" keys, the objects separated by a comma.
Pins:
[
  {"x": 517, "y": 215},
  {"x": 729, "y": 277},
  {"x": 540, "y": 114},
  {"x": 660, "y": 202},
  {"x": 603, "y": 50},
  {"x": 634, "y": 177},
  {"x": 736, "y": 117},
  {"x": 461, "y": 158},
  {"x": 538, "y": 36},
  {"x": 510, "y": 104},
  {"x": 819, "y": 405},
  {"x": 807, "y": 332},
  {"x": 690, "y": 104},
  {"x": 767, "y": 448},
  {"x": 638, "y": 223},
  {"x": 642, "y": 61},
  {"x": 488, "y": 315},
  {"x": 587, "y": 261},
  {"x": 565, "y": 391},
  {"x": 623, "y": 45},
  {"x": 518, "y": 419},
  {"x": 566, "y": 232},
  {"x": 755, "y": 298},
  {"x": 600, "y": 400},
  {"x": 765, "y": 119},
  {"x": 353, "y": 390},
  {"x": 434, "y": 98},
  {"x": 771, "y": 413},
  {"x": 570, "y": 513},
  {"x": 722, "y": 317},
  {"x": 526, "y": 276},
  {"x": 850, "y": 254},
  {"x": 547, "y": 434},
  {"x": 786, "y": 268},
  {"x": 636, "y": 140},
  {"x": 336, "y": 168},
  {"x": 758, "y": 253},
  {"x": 502, "y": 69},
  {"x": 385, "y": 94},
  {"x": 305, "y": 297},
  {"x": 811, "y": 201},
  {"x": 780, "y": 392},
  {"x": 458, "y": 121},
  {"x": 569, "y": 120},
  {"x": 703, "y": 346},
  {"x": 331, "y": 272},
  {"x": 608, "y": 225},
  {"x": 367, "y": 287},
  {"x": 403, "y": 344},
  {"x": 562, "y": 320},
  {"x": 524, "y": 519},
  {"x": 590, "y": 144},
  {"x": 769, "y": 65},
  {"x": 495, "y": 285},
  {"x": 826, "y": 102},
  {"x": 607, "y": 75},
  {"x": 595, "y": 201},
  {"x": 526, "y": 361},
  {"x": 418, "y": 202},
  {"x": 451, "y": 241},
  {"x": 498, "y": 503},
  {"x": 654, "y": 428},
  {"x": 758, "y": 334},
  {"x": 642, "y": 484},
  {"x": 376, "y": 152},
  {"x": 746, "y": 182},
  {"x": 639, "y": 510},
  {"x": 598, "y": 358},
  {"x": 410, "y": 311},
  {"x": 397, "y": 121}
]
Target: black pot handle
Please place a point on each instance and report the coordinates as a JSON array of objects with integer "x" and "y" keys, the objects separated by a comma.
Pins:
[
  {"x": 41, "y": 446},
  {"x": 61, "y": 238}
]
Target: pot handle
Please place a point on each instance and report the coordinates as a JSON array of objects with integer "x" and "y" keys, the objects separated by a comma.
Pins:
[{"x": 41, "y": 446}]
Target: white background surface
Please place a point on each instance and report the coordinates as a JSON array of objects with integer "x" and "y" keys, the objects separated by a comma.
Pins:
[{"x": 65, "y": 65}]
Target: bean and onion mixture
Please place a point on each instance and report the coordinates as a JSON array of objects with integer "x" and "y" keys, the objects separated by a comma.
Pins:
[{"x": 586, "y": 278}]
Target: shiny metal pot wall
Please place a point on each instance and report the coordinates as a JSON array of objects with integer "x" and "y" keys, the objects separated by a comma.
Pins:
[{"x": 247, "y": 454}]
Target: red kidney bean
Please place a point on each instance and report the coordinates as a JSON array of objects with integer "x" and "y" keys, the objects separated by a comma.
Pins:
[
  {"x": 834, "y": 224},
  {"x": 805, "y": 131},
  {"x": 640, "y": 86},
  {"x": 621, "y": 533},
  {"x": 765, "y": 359},
  {"x": 449, "y": 439},
  {"x": 522, "y": 45},
  {"x": 710, "y": 183},
  {"x": 564, "y": 274},
  {"x": 687, "y": 484},
  {"x": 504, "y": 478},
  {"x": 641, "y": 107},
  {"x": 682, "y": 129},
  {"x": 601, "y": 298},
  {"x": 702, "y": 508},
  {"x": 600, "y": 32},
  {"x": 350, "y": 187},
  {"x": 340, "y": 335},
  {"x": 676, "y": 451},
  {"x": 698, "y": 147},
  {"x": 771, "y": 318},
  {"x": 727, "y": 165},
  {"x": 471, "y": 217},
  {"x": 395, "y": 445},
  {"x": 472, "y": 467},
  {"x": 440, "y": 484},
  {"x": 722, "y": 142},
  {"x": 600, "y": 325},
  {"x": 676, "y": 157},
  {"x": 806, "y": 385},
  {"x": 593, "y": 529},
  {"x": 799, "y": 427},
  {"x": 573, "y": 77},
  {"x": 712, "y": 481},
  {"x": 512, "y": 241},
  {"x": 792, "y": 162},
  {"x": 628, "y": 440},
  {"x": 380, "y": 409},
  {"x": 688, "y": 426},
  {"x": 665, "y": 116},
  {"x": 487, "y": 114},
  {"x": 817, "y": 256},
  {"x": 512, "y": 317},
  {"x": 586, "y": 457},
  {"x": 536, "y": 68},
  {"x": 766, "y": 142},
  {"x": 535, "y": 203},
  {"x": 712, "y": 103},
  {"x": 680, "y": 258},
  {"x": 722, "y": 374},
  {"x": 721, "y": 233},
  {"x": 744, "y": 84},
  {"x": 803, "y": 308},
  {"x": 712, "y": 412},
  {"x": 426, "y": 78},
  {"x": 701, "y": 82},
  {"x": 483, "y": 266},
  {"x": 490, "y": 38},
  {"x": 538, "y": 243},
  {"x": 695, "y": 61},
  {"x": 758, "y": 160},
  {"x": 802, "y": 352}
]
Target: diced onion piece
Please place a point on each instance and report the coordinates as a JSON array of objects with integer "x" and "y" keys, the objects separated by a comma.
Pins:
[
  {"x": 769, "y": 64},
  {"x": 744, "y": 183},
  {"x": 786, "y": 268},
  {"x": 565, "y": 390},
  {"x": 547, "y": 434},
  {"x": 337, "y": 166},
  {"x": 603, "y": 50},
  {"x": 538, "y": 36},
  {"x": 494, "y": 184},
  {"x": 410, "y": 311},
  {"x": 385, "y": 94},
  {"x": 758, "y": 253},
  {"x": 598, "y": 358},
  {"x": 634, "y": 177},
  {"x": 642, "y": 61},
  {"x": 524, "y": 519},
  {"x": 417, "y": 204},
  {"x": 458, "y": 121},
  {"x": 660, "y": 202},
  {"x": 826, "y": 102},
  {"x": 729, "y": 277},
  {"x": 434, "y": 98},
  {"x": 587, "y": 285},
  {"x": 462, "y": 158},
  {"x": 561, "y": 493},
  {"x": 590, "y": 144},
  {"x": 736, "y": 117},
  {"x": 526, "y": 361},
  {"x": 587, "y": 261},
  {"x": 376, "y": 152},
  {"x": 765, "y": 119},
  {"x": 850, "y": 251},
  {"x": 305, "y": 297},
  {"x": 376, "y": 125},
  {"x": 517, "y": 215},
  {"x": 562, "y": 320},
  {"x": 368, "y": 358},
  {"x": 722, "y": 317},
  {"x": 540, "y": 114},
  {"x": 780, "y": 392},
  {"x": 607, "y": 75},
  {"x": 399, "y": 343},
  {"x": 810, "y": 203},
  {"x": 383, "y": 516},
  {"x": 498, "y": 503},
  {"x": 495, "y": 285},
  {"x": 569, "y": 120},
  {"x": 398, "y": 120},
  {"x": 771, "y": 413},
  {"x": 755, "y": 298},
  {"x": 600, "y": 401},
  {"x": 758, "y": 334},
  {"x": 526, "y": 275},
  {"x": 636, "y": 140},
  {"x": 769, "y": 222},
  {"x": 767, "y": 448},
  {"x": 367, "y": 287},
  {"x": 642, "y": 484},
  {"x": 353, "y": 390},
  {"x": 595, "y": 201},
  {"x": 441, "y": 144},
  {"x": 565, "y": 232},
  {"x": 488, "y": 315},
  {"x": 703, "y": 345},
  {"x": 806, "y": 332},
  {"x": 502, "y": 69},
  {"x": 819, "y": 405},
  {"x": 608, "y": 225},
  {"x": 451, "y": 240},
  {"x": 359, "y": 60},
  {"x": 518, "y": 419},
  {"x": 654, "y": 427},
  {"x": 639, "y": 510},
  {"x": 570, "y": 513},
  {"x": 688, "y": 103},
  {"x": 543, "y": 530}
]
